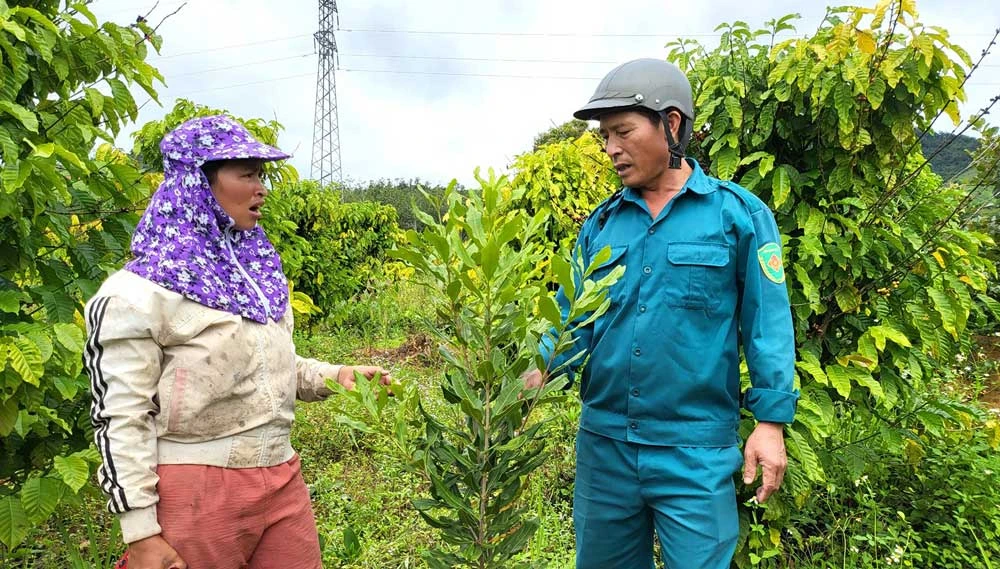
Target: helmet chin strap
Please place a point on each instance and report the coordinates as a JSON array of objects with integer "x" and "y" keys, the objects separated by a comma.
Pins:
[{"x": 676, "y": 152}]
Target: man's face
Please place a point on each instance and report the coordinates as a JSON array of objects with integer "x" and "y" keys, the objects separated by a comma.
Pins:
[
  {"x": 240, "y": 191},
  {"x": 637, "y": 148}
]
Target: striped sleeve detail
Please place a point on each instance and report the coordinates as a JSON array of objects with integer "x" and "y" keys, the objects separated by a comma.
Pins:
[{"x": 92, "y": 360}]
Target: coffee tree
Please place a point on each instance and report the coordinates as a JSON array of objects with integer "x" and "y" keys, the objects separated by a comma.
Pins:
[
  {"x": 480, "y": 266},
  {"x": 566, "y": 179},
  {"x": 67, "y": 210}
]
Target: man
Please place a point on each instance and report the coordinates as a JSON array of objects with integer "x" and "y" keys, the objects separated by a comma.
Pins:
[{"x": 658, "y": 442}]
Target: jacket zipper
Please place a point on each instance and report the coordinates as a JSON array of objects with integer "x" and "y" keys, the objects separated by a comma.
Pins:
[{"x": 260, "y": 294}]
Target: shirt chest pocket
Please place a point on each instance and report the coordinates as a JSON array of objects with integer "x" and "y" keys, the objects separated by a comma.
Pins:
[
  {"x": 698, "y": 275},
  {"x": 617, "y": 290}
]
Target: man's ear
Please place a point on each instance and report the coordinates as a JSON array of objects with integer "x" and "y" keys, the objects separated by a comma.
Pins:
[{"x": 674, "y": 124}]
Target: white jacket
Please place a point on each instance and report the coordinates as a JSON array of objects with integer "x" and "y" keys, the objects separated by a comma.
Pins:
[{"x": 176, "y": 382}]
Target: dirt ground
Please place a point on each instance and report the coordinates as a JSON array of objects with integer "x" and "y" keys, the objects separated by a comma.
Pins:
[{"x": 417, "y": 349}]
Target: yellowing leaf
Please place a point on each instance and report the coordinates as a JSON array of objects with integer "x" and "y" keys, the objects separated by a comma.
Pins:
[
  {"x": 952, "y": 110},
  {"x": 866, "y": 43},
  {"x": 939, "y": 258}
]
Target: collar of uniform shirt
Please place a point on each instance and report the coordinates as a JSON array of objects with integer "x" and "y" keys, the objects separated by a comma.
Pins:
[{"x": 697, "y": 182}]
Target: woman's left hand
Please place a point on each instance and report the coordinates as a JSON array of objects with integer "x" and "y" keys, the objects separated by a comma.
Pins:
[{"x": 346, "y": 375}]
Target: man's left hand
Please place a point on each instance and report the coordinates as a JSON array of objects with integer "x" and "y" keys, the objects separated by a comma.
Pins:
[{"x": 765, "y": 448}]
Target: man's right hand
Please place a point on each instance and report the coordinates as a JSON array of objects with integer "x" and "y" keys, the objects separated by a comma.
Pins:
[
  {"x": 533, "y": 379},
  {"x": 153, "y": 553}
]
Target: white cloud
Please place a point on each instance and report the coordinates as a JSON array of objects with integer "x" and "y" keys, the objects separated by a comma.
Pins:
[{"x": 436, "y": 127}]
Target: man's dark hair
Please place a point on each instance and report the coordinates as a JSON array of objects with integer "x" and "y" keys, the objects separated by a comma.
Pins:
[{"x": 653, "y": 116}]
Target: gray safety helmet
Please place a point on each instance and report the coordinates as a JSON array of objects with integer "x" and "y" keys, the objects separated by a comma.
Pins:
[{"x": 647, "y": 83}]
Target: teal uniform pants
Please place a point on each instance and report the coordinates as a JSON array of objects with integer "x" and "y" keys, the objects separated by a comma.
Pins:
[{"x": 626, "y": 491}]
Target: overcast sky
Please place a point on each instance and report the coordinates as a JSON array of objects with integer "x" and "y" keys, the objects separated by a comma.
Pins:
[{"x": 434, "y": 105}]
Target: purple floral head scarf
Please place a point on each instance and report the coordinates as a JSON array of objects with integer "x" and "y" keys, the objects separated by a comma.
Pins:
[{"x": 186, "y": 242}]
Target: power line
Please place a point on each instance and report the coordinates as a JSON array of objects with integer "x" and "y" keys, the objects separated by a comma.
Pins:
[
  {"x": 505, "y": 75},
  {"x": 500, "y": 59},
  {"x": 221, "y": 87},
  {"x": 247, "y": 64},
  {"x": 233, "y": 46},
  {"x": 517, "y": 34}
]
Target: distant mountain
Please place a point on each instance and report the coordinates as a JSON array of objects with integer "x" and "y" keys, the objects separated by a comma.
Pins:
[{"x": 951, "y": 159}]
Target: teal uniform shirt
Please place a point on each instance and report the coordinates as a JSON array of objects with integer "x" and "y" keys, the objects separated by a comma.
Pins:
[{"x": 701, "y": 279}]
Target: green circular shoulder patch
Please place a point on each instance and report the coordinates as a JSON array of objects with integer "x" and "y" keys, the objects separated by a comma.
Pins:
[{"x": 770, "y": 262}]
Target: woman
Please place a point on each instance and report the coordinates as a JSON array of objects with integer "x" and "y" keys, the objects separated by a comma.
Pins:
[{"x": 194, "y": 373}]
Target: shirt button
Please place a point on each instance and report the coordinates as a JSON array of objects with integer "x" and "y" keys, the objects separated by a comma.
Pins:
[
  {"x": 647, "y": 270},
  {"x": 633, "y": 426},
  {"x": 637, "y": 352},
  {"x": 642, "y": 308},
  {"x": 635, "y": 392},
  {"x": 652, "y": 231}
]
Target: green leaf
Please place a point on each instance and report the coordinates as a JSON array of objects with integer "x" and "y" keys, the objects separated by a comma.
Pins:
[
  {"x": 943, "y": 306},
  {"x": 750, "y": 159},
  {"x": 39, "y": 497},
  {"x": 727, "y": 160},
  {"x": 781, "y": 184},
  {"x": 26, "y": 117},
  {"x": 883, "y": 332},
  {"x": 10, "y": 301},
  {"x": 13, "y": 522},
  {"x": 843, "y": 101},
  {"x": 840, "y": 379},
  {"x": 67, "y": 387},
  {"x": 70, "y": 336},
  {"x": 549, "y": 309},
  {"x": 809, "y": 363},
  {"x": 735, "y": 111},
  {"x": 96, "y": 101},
  {"x": 799, "y": 448},
  {"x": 73, "y": 470},
  {"x": 865, "y": 379},
  {"x": 44, "y": 150},
  {"x": 848, "y": 298},
  {"x": 8, "y": 417},
  {"x": 26, "y": 359},
  {"x": 14, "y": 28},
  {"x": 564, "y": 275}
]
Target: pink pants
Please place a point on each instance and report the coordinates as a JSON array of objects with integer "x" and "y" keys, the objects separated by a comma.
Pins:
[{"x": 235, "y": 518}]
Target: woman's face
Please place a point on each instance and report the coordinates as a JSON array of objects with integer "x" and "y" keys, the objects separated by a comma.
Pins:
[{"x": 240, "y": 191}]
